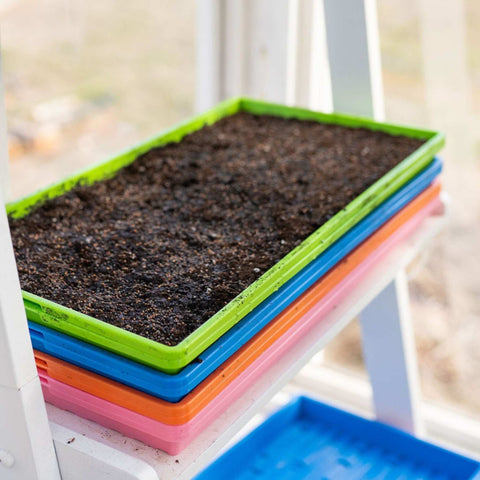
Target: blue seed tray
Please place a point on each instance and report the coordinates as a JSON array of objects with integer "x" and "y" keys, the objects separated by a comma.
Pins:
[
  {"x": 174, "y": 387},
  {"x": 310, "y": 440}
]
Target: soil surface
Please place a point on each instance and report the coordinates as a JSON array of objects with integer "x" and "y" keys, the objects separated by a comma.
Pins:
[{"x": 175, "y": 236}]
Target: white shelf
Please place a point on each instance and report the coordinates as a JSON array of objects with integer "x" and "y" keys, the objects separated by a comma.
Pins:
[{"x": 100, "y": 453}]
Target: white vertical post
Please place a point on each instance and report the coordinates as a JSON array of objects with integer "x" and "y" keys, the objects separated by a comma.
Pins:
[
  {"x": 356, "y": 78},
  {"x": 235, "y": 44},
  {"x": 267, "y": 39},
  {"x": 300, "y": 57},
  {"x": 244, "y": 48},
  {"x": 354, "y": 57},
  {"x": 209, "y": 41},
  {"x": 298, "y": 42},
  {"x": 308, "y": 67},
  {"x": 320, "y": 81},
  {"x": 26, "y": 447},
  {"x": 390, "y": 357}
]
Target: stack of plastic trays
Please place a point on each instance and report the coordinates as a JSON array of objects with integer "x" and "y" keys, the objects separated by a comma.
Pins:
[
  {"x": 172, "y": 426},
  {"x": 307, "y": 439},
  {"x": 165, "y": 396}
]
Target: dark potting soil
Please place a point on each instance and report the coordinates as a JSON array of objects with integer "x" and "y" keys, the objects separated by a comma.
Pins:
[{"x": 176, "y": 235}]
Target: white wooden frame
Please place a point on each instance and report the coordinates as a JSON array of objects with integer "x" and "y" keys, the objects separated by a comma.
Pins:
[
  {"x": 26, "y": 448},
  {"x": 315, "y": 53}
]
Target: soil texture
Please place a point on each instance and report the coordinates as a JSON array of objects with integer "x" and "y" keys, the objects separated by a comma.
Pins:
[{"x": 175, "y": 236}]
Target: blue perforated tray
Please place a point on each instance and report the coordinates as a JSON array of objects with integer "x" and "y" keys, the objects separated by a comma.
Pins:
[
  {"x": 174, "y": 387},
  {"x": 310, "y": 440}
]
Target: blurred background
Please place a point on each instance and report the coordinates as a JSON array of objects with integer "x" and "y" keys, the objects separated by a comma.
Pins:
[{"x": 84, "y": 80}]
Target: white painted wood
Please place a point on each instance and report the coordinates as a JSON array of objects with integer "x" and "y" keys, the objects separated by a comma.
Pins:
[
  {"x": 300, "y": 52},
  {"x": 320, "y": 82},
  {"x": 235, "y": 43},
  {"x": 207, "y": 446},
  {"x": 16, "y": 359},
  {"x": 26, "y": 448},
  {"x": 296, "y": 62},
  {"x": 243, "y": 48},
  {"x": 81, "y": 458},
  {"x": 25, "y": 440},
  {"x": 267, "y": 49},
  {"x": 390, "y": 357},
  {"x": 24, "y": 432},
  {"x": 209, "y": 53},
  {"x": 354, "y": 56}
]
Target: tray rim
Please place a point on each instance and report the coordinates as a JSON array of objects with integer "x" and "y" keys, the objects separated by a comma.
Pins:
[{"x": 171, "y": 359}]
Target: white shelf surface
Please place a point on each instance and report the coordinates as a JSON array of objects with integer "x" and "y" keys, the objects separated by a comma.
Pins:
[{"x": 86, "y": 449}]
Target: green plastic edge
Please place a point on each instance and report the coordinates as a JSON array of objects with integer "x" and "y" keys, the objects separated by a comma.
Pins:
[{"x": 173, "y": 359}]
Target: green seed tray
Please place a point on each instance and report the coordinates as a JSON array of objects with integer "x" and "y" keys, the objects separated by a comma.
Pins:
[{"x": 173, "y": 359}]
